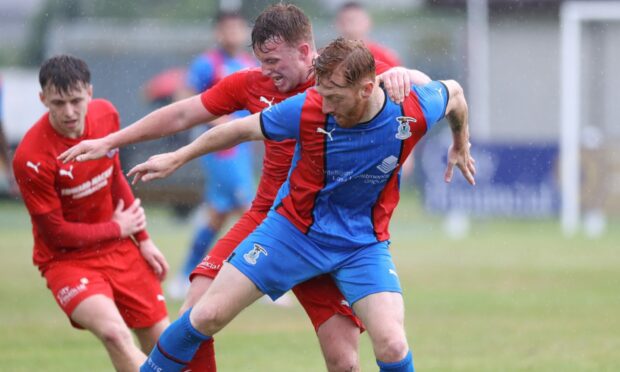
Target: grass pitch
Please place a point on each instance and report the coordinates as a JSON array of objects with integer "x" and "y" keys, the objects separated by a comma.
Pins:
[{"x": 513, "y": 296}]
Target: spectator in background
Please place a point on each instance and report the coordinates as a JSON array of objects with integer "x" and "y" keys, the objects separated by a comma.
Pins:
[
  {"x": 354, "y": 23},
  {"x": 229, "y": 181},
  {"x": 86, "y": 223}
]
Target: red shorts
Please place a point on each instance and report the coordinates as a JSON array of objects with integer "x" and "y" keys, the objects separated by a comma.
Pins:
[
  {"x": 319, "y": 296},
  {"x": 122, "y": 275}
]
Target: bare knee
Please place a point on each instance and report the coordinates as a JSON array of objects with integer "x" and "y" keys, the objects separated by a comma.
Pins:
[
  {"x": 339, "y": 339},
  {"x": 391, "y": 350},
  {"x": 208, "y": 319},
  {"x": 116, "y": 336},
  {"x": 342, "y": 362}
]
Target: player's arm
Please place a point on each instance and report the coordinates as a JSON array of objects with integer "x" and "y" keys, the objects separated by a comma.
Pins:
[
  {"x": 165, "y": 121},
  {"x": 458, "y": 116},
  {"x": 151, "y": 254},
  {"x": 219, "y": 138},
  {"x": 398, "y": 80}
]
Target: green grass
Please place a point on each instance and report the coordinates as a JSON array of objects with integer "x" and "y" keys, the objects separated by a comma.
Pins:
[{"x": 514, "y": 296}]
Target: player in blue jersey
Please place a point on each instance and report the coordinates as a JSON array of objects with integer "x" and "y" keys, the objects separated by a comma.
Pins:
[
  {"x": 332, "y": 213},
  {"x": 229, "y": 179}
]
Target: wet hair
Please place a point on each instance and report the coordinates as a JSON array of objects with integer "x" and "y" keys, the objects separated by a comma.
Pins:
[
  {"x": 65, "y": 73},
  {"x": 224, "y": 15},
  {"x": 352, "y": 55},
  {"x": 281, "y": 22}
]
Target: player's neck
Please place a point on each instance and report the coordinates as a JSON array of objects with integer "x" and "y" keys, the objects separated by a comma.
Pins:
[{"x": 374, "y": 105}]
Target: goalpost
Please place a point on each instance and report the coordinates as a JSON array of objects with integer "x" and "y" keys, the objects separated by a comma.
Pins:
[{"x": 573, "y": 16}]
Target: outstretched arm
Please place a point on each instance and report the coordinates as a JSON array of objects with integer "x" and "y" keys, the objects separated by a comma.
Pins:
[
  {"x": 457, "y": 115},
  {"x": 165, "y": 121},
  {"x": 219, "y": 138}
]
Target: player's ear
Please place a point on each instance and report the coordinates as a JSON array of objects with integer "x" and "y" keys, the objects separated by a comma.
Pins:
[
  {"x": 304, "y": 50},
  {"x": 42, "y": 98},
  {"x": 367, "y": 86},
  {"x": 89, "y": 90}
]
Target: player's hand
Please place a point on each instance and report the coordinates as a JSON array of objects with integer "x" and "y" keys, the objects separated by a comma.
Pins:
[
  {"x": 154, "y": 258},
  {"x": 130, "y": 220},
  {"x": 86, "y": 150},
  {"x": 397, "y": 83},
  {"x": 158, "y": 166},
  {"x": 463, "y": 160}
]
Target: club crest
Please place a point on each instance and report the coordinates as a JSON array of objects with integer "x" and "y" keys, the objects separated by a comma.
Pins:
[
  {"x": 404, "y": 131},
  {"x": 254, "y": 254}
]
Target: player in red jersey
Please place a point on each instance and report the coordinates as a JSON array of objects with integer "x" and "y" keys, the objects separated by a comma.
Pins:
[
  {"x": 354, "y": 23},
  {"x": 283, "y": 43},
  {"x": 84, "y": 237}
]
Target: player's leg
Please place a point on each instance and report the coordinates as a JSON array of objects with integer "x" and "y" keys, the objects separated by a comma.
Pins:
[
  {"x": 229, "y": 293},
  {"x": 84, "y": 293},
  {"x": 383, "y": 315},
  {"x": 336, "y": 326},
  {"x": 99, "y": 315},
  {"x": 138, "y": 295},
  {"x": 203, "y": 275},
  {"x": 370, "y": 282},
  {"x": 147, "y": 337}
]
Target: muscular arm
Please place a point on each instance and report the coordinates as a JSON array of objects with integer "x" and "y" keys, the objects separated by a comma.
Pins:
[
  {"x": 219, "y": 138},
  {"x": 457, "y": 114}
]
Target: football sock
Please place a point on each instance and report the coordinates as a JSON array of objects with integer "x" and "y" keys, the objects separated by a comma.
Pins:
[
  {"x": 405, "y": 365},
  {"x": 202, "y": 242},
  {"x": 204, "y": 359},
  {"x": 176, "y": 346}
]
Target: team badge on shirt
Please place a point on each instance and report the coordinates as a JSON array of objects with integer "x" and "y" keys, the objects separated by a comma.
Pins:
[
  {"x": 254, "y": 254},
  {"x": 404, "y": 131}
]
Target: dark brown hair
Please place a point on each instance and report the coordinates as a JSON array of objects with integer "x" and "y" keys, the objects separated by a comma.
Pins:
[
  {"x": 64, "y": 72},
  {"x": 281, "y": 22},
  {"x": 354, "y": 57}
]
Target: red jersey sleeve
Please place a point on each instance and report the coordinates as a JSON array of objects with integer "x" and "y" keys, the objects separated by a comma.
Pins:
[
  {"x": 57, "y": 232},
  {"x": 122, "y": 190},
  {"x": 227, "y": 96},
  {"x": 35, "y": 178}
]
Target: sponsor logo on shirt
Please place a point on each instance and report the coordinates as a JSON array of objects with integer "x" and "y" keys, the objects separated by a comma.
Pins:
[
  {"x": 404, "y": 131},
  {"x": 388, "y": 164},
  {"x": 254, "y": 254},
  {"x": 67, "y": 173},
  {"x": 96, "y": 183},
  {"x": 67, "y": 293},
  {"x": 34, "y": 166}
]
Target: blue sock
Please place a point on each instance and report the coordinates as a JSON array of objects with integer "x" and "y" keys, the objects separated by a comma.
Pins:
[
  {"x": 202, "y": 242},
  {"x": 176, "y": 346},
  {"x": 405, "y": 365}
]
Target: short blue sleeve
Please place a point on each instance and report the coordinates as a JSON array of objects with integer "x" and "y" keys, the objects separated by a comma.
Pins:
[
  {"x": 281, "y": 121},
  {"x": 201, "y": 74},
  {"x": 433, "y": 98}
]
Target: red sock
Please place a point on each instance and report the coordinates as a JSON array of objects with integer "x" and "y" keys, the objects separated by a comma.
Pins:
[{"x": 204, "y": 359}]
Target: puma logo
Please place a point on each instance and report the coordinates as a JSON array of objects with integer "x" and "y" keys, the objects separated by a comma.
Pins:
[
  {"x": 328, "y": 134},
  {"x": 68, "y": 173},
  {"x": 267, "y": 102},
  {"x": 30, "y": 164}
]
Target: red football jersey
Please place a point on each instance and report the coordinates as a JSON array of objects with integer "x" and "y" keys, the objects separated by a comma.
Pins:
[
  {"x": 250, "y": 90},
  {"x": 383, "y": 54},
  {"x": 82, "y": 191}
]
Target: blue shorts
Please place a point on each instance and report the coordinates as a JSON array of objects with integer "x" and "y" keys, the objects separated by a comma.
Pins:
[
  {"x": 229, "y": 179},
  {"x": 277, "y": 256}
]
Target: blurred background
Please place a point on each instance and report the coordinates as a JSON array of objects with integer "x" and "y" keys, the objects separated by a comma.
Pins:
[{"x": 540, "y": 79}]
